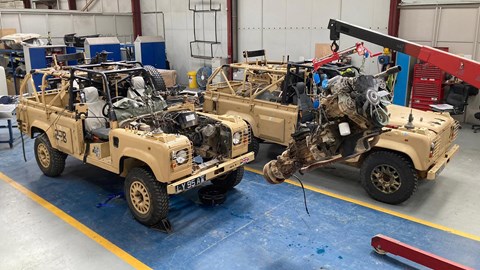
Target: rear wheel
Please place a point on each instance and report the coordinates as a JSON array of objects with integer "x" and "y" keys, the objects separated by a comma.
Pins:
[
  {"x": 229, "y": 180},
  {"x": 146, "y": 197},
  {"x": 50, "y": 161},
  {"x": 388, "y": 177}
]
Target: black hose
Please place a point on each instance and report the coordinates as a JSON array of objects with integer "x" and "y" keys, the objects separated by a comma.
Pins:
[{"x": 304, "y": 196}]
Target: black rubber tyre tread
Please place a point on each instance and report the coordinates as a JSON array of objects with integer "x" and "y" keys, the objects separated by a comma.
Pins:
[
  {"x": 408, "y": 176},
  {"x": 57, "y": 158},
  {"x": 254, "y": 146},
  {"x": 157, "y": 78},
  {"x": 230, "y": 180},
  {"x": 158, "y": 196}
]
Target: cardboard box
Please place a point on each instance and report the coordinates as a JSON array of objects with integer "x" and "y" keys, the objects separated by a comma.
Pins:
[
  {"x": 4, "y": 32},
  {"x": 169, "y": 77},
  {"x": 322, "y": 49}
]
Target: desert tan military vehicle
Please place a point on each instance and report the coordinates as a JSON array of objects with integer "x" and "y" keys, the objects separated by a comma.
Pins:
[
  {"x": 110, "y": 116},
  {"x": 275, "y": 99}
]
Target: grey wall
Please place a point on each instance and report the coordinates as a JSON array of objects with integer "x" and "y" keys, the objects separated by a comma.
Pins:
[
  {"x": 177, "y": 19},
  {"x": 454, "y": 26}
]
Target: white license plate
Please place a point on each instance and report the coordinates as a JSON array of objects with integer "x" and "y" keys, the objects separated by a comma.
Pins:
[{"x": 190, "y": 184}]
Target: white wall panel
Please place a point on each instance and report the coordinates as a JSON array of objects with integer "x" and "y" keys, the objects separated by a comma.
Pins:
[
  {"x": 359, "y": 13},
  {"x": 274, "y": 42},
  {"x": 59, "y": 25},
  {"x": 125, "y": 5},
  {"x": 34, "y": 23},
  {"x": 456, "y": 24},
  {"x": 299, "y": 14},
  {"x": 182, "y": 5},
  {"x": 110, "y": 6},
  {"x": 249, "y": 40},
  {"x": 457, "y": 47},
  {"x": 249, "y": 14},
  {"x": 149, "y": 24},
  {"x": 124, "y": 25},
  {"x": 162, "y": 5},
  {"x": 297, "y": 44},
  {"x": 274, "y": 14},
  {"x": 149, "y": 5},
  {"x": 323, "y": 11},
  {"x": 417, "y": 24},
  {"x": 10, "y": 21},
  {"x": 84, "y": 25},
  {"x": 105, "y": 25}
]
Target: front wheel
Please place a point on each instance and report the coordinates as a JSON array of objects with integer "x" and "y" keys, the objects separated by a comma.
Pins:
[
  {"x": 146, "y": 197},
  {"x": 50, "y": 161},
  {"x": 388, "y": 177},
  {"x": 229, "y": 180}
]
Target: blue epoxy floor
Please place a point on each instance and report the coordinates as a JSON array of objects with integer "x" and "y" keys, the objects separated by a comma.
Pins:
[{"x": 260, "y": 226}]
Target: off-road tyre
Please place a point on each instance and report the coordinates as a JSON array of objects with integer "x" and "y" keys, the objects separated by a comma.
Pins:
[
  {"x": 157, "y": 78},
  {"x": 50, "y": 160},
  {"x": 229, "y": 180},
  {"x": 147, "y": 198},
  {"x": 254, "y": 145},
  {"x": 381, "y": 164}
]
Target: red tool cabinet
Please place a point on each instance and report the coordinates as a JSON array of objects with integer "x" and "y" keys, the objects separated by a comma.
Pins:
[{"x": 427, "y": 86}]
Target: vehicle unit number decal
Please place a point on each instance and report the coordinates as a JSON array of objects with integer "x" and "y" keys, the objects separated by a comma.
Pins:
[
  {"x": 60, "y": 135},
  {"x": 190, "y": 183}
]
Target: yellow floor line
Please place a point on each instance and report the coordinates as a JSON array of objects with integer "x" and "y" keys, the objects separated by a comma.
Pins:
[
  {"x": 76, "y": 224},
  {"x": 378, "y": 208}
]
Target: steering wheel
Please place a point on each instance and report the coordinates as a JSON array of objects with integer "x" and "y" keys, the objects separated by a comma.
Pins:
[{"x": 106, "y": 107}]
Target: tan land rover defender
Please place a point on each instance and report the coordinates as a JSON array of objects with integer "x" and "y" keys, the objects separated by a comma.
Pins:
[
  {"x": 109, "y": 115},
  {"x": 266, "y": 95}
]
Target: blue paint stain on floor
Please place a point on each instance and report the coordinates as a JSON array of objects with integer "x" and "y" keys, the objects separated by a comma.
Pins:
[{"x": 260, "y": 226}]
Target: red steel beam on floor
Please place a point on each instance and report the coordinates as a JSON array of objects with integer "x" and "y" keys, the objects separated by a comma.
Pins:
[
  {"x": 382, "y": 243},
  {"x": 72, "y": 4},
  {"x": 27, "y": 4},
  {"x": 137, "y": 19}
]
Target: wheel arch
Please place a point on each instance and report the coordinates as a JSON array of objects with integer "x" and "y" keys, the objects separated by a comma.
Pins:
[
  {"x": 127, "y": 163},
  {"x": 403, "y": 149}
]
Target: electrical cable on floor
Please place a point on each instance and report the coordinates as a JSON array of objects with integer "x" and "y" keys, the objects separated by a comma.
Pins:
[{"x": 304, "y": 195}]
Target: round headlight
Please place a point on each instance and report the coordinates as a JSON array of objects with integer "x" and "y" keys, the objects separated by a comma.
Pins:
[
  {"x": 237, "y": 138},
  {"x": 181, "y": 157}
]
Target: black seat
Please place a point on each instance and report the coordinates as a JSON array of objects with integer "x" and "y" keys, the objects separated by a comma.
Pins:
[
  {"x": 305, "y": 104},
  {"x": 457, "y": 97},
  {"x": 476, "y": 128}
]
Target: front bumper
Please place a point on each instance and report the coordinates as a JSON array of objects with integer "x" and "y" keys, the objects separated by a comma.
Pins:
[
  {"x": 441, "y": 163},
  {"x": 209, "y": 174}
]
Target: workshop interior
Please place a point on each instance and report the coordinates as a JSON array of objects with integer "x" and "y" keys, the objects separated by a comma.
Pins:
[{"x": 239, "y": 134}]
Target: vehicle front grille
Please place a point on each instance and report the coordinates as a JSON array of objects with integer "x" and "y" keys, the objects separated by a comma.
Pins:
[{"x": 443, "y": 141}]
